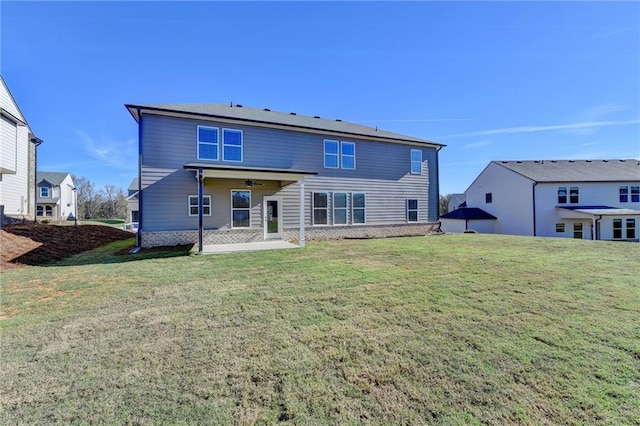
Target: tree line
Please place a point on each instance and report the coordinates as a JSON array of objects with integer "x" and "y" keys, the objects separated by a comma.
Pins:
[{"x": 108, "y": 202}]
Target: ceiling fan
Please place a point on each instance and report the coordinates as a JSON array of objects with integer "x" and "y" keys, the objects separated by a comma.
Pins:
[{"x": 249, "y": 183}]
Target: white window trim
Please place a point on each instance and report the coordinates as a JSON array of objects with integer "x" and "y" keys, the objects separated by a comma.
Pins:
[
  {"x": 234, "y": 146},
  {"x": 337, "y": 155},
  {"x": 240, "y": 208},
  {"x": 577, "y": 188},
  {"x": 313, "y": 208},
  {"x": 48, "y": 192},
  {"x": 203, "y": 198},
  {"x": 341, "y": 163},
  {"x": 334, "y": 208},
  {"x": 364, "y": 208},
  {"x": 417, "y": 209},
  {"x": 561, "y": 225},
  {"x": 413, "y": 161},
  {"x": 217, "y": 144}
]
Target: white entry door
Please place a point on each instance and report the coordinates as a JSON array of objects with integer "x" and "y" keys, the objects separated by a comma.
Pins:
[{"x": 272, "y": 217}]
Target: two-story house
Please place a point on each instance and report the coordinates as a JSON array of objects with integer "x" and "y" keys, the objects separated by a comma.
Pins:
[
  {"x": 588, "y": 199},
  {"x": 17, "y": 160},
  {"x": 56, "y": 196},
  {"x": 215, "y": 174}
]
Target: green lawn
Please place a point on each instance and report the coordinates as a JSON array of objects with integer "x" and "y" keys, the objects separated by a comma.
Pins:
[{"x": 456, "y": 329}]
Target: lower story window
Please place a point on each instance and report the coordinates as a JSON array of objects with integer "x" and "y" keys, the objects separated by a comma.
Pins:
[
  {"x": 412, "y": 210},
  {"x": 44, "y": 211},
  {"x": 193, "y": 206},
  {"x": 339, "y": 208},
  {"x": 577, "y": 230},
  {"x": 240, "y": 209},
  {"x": 617, "y": 229},
  {"x": 560, "y": 228},
  {"x": 631, "y": 229},
  {"x": 358, "y": 210},
  {"x": 320, "y": 208}
]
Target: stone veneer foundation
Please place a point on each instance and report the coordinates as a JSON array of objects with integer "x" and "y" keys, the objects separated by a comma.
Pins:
[{"x": 312, "y": 233}]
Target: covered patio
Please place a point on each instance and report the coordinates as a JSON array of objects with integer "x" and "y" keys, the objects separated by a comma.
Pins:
[
  {"x": 273, "y": 204},
  {"x": 597, "y": 213}
]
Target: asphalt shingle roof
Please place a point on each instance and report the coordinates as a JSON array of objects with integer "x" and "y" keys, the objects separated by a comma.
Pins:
[
  {"x": 468, "y": 213},
  {"x": 281, "y": 118},
  {"x": 576, "y": 170},
  {"x": 54, "y": 178}
]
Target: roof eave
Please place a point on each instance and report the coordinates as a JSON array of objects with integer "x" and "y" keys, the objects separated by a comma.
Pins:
[{"x": 137, "y": 110}]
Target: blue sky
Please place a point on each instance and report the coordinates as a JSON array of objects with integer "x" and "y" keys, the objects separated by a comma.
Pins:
[{"x": 492, "y": 81}]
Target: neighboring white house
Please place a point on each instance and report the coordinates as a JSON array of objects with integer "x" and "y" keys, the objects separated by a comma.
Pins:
[
  {"x": 588, "y": 199},
  {"x": 56, "y": 196},
  {"x": 17, "y": 159}
]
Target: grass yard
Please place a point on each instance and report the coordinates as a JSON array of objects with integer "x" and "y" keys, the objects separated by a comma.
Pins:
[{"x": 456, "y": 329}]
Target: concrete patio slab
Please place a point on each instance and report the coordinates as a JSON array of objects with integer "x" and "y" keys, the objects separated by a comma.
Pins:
[{"x": 257, "y": 246}]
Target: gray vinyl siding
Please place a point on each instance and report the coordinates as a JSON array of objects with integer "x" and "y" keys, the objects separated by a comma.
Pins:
[{"x": 382, "y": 172}]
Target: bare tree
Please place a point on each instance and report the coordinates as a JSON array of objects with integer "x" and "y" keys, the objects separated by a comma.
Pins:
[{"x": 444, "y": 203}]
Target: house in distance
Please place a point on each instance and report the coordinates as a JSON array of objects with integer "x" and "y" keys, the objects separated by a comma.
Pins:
[
  {"x": 219, "y": 174},
  {"x": 586, "y": 199}
]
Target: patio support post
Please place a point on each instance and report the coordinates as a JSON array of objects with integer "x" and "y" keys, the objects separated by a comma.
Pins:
[
  {"x": 200, "y": 206},
  {"x": 302, "y": 215}
]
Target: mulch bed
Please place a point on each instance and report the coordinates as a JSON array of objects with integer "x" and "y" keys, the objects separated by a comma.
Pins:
[{"x": 35, "y": 244}]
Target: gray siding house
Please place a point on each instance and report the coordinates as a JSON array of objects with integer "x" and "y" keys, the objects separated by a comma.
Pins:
[{"x": 216, "y": 174}]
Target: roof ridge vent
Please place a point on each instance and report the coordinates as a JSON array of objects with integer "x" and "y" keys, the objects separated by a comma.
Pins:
[
  {"x": 605, "y": 161},
  {"x": 238, "y": 106},
  {"x": 293, "y": 113},
  {"x": 587, "y": 161},
  {"x": 623, "y": 161},
  {"x": 572, "y": 161},
  {"x": 267, "y": 109},
  {"x": 337, "y": 119},
  {"x": 316, "y": 116}
]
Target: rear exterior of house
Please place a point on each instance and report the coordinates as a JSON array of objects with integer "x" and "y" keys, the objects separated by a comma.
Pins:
[
  {"x": 56, "y": 197},
  {"x": 17, "y": 160},
  {"x": 585, "y": 199},
  {"x": 243, "y": 174}
]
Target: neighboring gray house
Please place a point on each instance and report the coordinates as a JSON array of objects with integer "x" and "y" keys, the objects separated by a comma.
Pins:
[
  {"x": 586, "y": 199},
  {"x": 217, "y": 174},
  {"x": 132, "y": 205},
  {"x": 56, "y": 196},
  {"x": 17, "y": 160}
]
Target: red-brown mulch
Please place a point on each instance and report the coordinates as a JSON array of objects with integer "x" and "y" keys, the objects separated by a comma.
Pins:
[{"x": 35, "y": 244}]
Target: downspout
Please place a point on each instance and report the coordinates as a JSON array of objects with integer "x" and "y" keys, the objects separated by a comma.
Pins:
[
  {"x": 595, "y": 234},
  {"x": 140, "y": 209},
  {"x": 534, "y": 208},
  {"x": 36, "y": 142},
  {"x": 200, "y": 212},
  {"x": 438, "y": 185}
]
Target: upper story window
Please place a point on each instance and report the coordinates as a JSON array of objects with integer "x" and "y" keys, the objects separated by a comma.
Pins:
[
  {"x": 416, "y": 161},
  {"x": 331, "y": 154},
  {"x": 562, "y": 195},
  {"x": 488, "y": 197},
  {"x": 339, "y": 155},
  {"x": 44, "y": 191},
  {"x": 574, "y": 196},
  {"x": 231, "y": 145},
  {"x": 348, "y": 155},
  {"x": 208, "y": 143},
  {"x": 193, "y": 205},
  {"x": 624, "y": 194},
  {"x": 625, "y": 191}
]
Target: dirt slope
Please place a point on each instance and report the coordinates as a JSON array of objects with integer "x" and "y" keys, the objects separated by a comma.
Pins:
[{"x": 35, "y": 244}]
